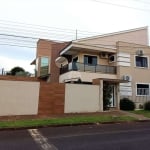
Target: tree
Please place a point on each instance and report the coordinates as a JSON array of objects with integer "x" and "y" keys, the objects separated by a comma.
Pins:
[{"x": 16, "y": 70}]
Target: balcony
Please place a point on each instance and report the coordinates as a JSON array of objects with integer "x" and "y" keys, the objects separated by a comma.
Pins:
[{"x": 75, "y": 66}]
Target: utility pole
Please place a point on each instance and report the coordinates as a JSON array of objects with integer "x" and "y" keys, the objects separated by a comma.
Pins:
[
  {"x": 2, "y": 71},
  {"x": 76, "y": 34}
]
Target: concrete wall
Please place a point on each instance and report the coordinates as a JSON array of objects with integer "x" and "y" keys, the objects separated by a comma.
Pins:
[
  {"x": 137, "y": 74},
  {"x": 29, "y": 96},
  {"x": 139, "y": 36},
  {"x": 18, "y": 97},
  {"x": 84, "y": 76},
  {"x": 81, "y": 98}
]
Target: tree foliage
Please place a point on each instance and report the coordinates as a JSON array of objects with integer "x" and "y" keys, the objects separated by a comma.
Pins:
[{"x": 18, "y": 71}]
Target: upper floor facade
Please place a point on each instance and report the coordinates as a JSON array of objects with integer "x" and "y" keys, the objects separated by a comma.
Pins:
[{"x": 111, "y": 56}]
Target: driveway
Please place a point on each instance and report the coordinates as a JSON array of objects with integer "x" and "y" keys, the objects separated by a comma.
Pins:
[{"x": 125, "y": 136}]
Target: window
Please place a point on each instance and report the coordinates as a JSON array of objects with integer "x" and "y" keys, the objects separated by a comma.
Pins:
[
  {"x": 141, "y": 61},
  {"x": 44, "y": 61},
  {"x": 44, "y": 66},
  {"x": 90, "y": 60},
  {"x": 142, "y": 89}
]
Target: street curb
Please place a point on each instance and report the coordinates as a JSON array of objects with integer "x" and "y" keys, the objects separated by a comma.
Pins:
[{"x": 78, "y": 124}]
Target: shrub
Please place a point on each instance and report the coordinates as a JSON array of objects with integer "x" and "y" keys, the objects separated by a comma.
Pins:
[
  {"x": 141, "y": 106},
  {"x": 147, "y": 106},
  {"x": 126, "y": 104}
]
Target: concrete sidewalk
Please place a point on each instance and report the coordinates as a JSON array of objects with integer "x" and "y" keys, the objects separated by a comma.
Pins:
[{"x": 137, "y": 116}]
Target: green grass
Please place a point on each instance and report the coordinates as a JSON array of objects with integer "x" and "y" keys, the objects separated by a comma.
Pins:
[
  {"x": 145, "y": 113},
  {"x": 63, "y": 121}
]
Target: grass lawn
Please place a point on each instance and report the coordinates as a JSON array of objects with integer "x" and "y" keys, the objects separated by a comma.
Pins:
[
  {"x": 145, "y": 113},
  {"x": 63, "y": 121}
]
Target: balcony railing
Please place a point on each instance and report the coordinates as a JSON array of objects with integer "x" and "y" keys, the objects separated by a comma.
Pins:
[{"x": 75, "y": 66}]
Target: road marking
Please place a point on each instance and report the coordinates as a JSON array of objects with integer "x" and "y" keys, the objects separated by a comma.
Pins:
[{"x": 41, "y": 140}]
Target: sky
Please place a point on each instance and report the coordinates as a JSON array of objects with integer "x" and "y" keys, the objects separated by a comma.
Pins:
[{"x": 59, "y": 20}]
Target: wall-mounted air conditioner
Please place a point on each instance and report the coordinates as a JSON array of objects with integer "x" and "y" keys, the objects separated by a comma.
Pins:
[
  {"x": 103, "y": 55},
  {"x": 139, "y": 52},
  {"x": 127, "y": 78},
  {"x": 112, "y": 58}
]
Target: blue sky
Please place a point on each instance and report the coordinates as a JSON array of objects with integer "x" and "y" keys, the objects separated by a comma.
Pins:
[{"x": 101, "y": 16}]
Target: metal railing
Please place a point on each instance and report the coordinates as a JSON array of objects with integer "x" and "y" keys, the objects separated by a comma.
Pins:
[{"x": 75, "y": 66}]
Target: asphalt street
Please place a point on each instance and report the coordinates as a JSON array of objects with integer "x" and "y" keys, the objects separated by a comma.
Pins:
[{"x": 125, "y": 136}]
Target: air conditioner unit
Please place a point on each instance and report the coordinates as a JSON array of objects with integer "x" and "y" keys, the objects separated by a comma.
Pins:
[
  {"x": 127, "y": 78},
  {"x": 139, "y": 52},
  {"x": 112, "y": 58},
  {"x": 103, "y": 55}
]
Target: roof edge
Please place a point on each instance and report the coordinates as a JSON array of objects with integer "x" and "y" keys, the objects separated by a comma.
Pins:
[{"x": 113, "y": 33}]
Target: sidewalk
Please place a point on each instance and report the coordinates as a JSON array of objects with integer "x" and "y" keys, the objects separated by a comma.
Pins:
[{"x": 139, "y": 117}]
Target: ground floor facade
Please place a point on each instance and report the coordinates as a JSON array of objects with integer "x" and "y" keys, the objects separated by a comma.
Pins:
[{"x": 31, "y": 96}]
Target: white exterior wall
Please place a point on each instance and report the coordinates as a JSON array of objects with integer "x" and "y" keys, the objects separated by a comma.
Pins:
[
  {"x": 84, "y": 76},
  {"x": 19, "y": 98},
  {"x": 82, "y": 98}
]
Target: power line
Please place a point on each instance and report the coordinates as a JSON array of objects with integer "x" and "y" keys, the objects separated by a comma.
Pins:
[
  {"x": 43, "y": 28},
  {"x": 43, "y": 47},
  {"x": 141, "y": 1},
  {"x": 8, "y": 44},
  {"x": 26, "y": 39},
  {"x": 14, "y": 39},
  {"x": 119, "y": 5},
  {"x": 12, "y": 35},
  {"x": 20, "y": 37},
  {"x": 44, "y": 34}
]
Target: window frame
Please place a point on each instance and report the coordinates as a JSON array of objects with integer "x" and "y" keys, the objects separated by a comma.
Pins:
[
  {"x": 40, "y": 66},
  {"x": 143, "y": 84},
  {"x": 41, "y": 60},
  {"x": 91, "y": 56},
  {"x": 139, "y": 66}
]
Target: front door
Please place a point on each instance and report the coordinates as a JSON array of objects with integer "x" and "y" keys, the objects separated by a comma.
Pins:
[
  {"x": 113, "y": 96},
  {"x": 109, "y": 95}
]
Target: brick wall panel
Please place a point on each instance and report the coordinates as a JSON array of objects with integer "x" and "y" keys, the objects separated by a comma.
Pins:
[{"x": 51, "y": 98}]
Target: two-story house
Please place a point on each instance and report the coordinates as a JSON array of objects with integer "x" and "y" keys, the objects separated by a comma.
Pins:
[{"x": 120, "y": 59}]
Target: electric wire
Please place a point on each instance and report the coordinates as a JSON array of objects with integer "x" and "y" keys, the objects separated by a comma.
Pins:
[
  {"x": 124, "y": 6},
  {"x": 141, "y": 1}
]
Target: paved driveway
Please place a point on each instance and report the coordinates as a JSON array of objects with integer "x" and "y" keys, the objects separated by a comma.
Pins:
[{"x": 128, "y": 136}]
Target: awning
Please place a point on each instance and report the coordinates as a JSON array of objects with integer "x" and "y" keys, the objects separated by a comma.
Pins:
[
  {"x": 74, "y": 48},
  {"x": 33, "y": 62}
]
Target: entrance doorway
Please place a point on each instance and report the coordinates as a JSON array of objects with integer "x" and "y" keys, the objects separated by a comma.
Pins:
[{"x": 109, "y": 95}]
